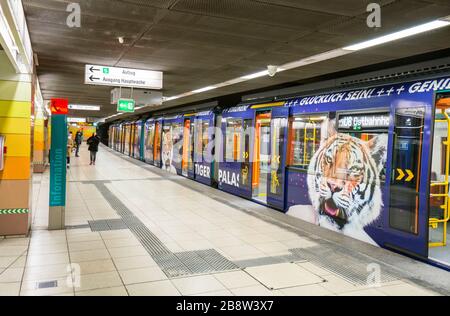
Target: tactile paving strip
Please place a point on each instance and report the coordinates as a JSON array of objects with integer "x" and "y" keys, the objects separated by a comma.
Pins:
[
  {"x": 193, "y": 262},
  {"x": 269, "y": 260},
  {"x": 216, "y": 260},
  {"x": 151, "y": 243},
  {"x": 173, "y": 264},
  {"x": 352, "y": 269},
  {"x": 99, "y": 225}
]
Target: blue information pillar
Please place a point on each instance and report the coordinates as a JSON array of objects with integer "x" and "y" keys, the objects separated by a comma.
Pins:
[{"x": 58, "y": 156}]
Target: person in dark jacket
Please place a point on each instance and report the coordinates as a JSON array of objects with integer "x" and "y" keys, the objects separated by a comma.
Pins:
[
  {"x": 93, "y": 143},
  {"x": 78, "y": 141}
]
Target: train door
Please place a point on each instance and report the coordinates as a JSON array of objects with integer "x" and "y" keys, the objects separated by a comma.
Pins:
[
  {"x": 187, "y": 166},
  {"x": 439, "y": 215},
  {"x": 269, "y": 156},
  {"x": 127, "y": 138},
  {"x": 138, "y": 137},
  {"x": 406, "y": 228},
  {"x": 278, "y": 150},
  {"x": 122, "y": 138},
  {"x": 132, "y": 138},
  {"x": 157, "y": 144},
  {"x": 149, "y": 142},
  {"x": 261, "y": 156}
]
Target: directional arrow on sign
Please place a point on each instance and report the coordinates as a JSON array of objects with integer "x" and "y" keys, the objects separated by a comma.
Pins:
[
  {"x": 401, "y": 174},
  {"x": 410, "y": 175},
  {"x": 92, "y": 69},
  {"x": 92, "y": 78}
]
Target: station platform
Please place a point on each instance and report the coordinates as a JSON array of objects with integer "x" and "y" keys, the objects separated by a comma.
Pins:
[{"x": 133, "y": 229}]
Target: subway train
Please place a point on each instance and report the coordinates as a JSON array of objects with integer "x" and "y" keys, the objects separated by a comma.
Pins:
[{"x": 370, "y": 163}]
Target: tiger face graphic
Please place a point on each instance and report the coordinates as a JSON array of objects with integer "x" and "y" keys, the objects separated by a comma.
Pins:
[{"x": 344, "y": 182}]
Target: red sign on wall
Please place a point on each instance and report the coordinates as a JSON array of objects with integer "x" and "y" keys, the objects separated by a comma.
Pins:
[{"x": 59, "y": 106}]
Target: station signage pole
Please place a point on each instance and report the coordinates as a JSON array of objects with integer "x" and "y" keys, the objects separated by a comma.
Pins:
[{"x": 58, "y": 167}]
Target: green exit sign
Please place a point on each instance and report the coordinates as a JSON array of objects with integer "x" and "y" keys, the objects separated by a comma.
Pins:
[{"x": 125, "y": 105}]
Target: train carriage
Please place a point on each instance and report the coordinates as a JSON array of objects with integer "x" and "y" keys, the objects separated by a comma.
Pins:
[{"x": 370, "y": 163}]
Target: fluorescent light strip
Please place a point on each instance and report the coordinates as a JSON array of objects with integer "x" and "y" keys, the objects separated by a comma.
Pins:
[
  {"x": 255, "y": 75},
  {"x": 399, "y": 35},
  {"x": 204, "y": 89},
  {"x": 443, "y": 22}
]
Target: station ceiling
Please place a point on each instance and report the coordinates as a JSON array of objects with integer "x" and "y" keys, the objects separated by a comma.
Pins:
[{"x": 197, "y": 43}]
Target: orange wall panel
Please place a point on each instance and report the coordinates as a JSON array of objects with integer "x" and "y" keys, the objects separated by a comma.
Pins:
[{"x": 16, "y": 168}]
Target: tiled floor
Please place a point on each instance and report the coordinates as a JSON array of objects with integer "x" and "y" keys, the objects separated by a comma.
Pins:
[{"x": 117, "y": 263}]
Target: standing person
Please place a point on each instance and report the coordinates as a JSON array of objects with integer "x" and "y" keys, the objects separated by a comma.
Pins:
[
  {"x": 93, "y": 143},
  {"x": 78, "y": 141},
  {"x": 69, "y": 148}
]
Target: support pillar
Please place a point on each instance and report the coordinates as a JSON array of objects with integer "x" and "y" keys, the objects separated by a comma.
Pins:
[{"x": 58, "y": 165}]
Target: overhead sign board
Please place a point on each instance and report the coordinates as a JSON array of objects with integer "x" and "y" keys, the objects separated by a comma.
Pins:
[
  {"x": 84, "y": 107},
  {"x": 123, "y": 77},
  {"x": 76, "y": 120},
  {"x": 126, "y": 105}
]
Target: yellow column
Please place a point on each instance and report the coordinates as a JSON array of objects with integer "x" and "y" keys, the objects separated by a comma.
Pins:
[
  {"x": 40, "y": 155},
  {"x": 15, "y": 125}
]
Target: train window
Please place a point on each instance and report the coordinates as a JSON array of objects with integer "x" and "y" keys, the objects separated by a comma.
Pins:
[
  {"x": 177, "y": 138},
  {"x": 406, "y": 164},
  {"x": 205, "y": 136},
  {"x": 198, "y": 140},
  {"x": 202, "y": 136},
  {"x": 233, "y": 140},
  {"x": 304, "y": 139}
]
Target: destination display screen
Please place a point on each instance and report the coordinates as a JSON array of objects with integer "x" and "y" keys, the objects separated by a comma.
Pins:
[{"x": 370, "y": 121}]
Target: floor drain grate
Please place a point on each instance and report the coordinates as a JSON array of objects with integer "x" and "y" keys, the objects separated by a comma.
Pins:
[{"x": 47, "y": 284}]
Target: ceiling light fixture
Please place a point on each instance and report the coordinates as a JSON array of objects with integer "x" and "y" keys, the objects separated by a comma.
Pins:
[
  {"x": 255, "y": 75},
  {"x": 204, "y": 89},
  {"x": 399, "y": 35}
]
